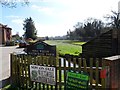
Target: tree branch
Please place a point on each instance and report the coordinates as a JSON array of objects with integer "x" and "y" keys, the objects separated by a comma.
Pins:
[{"x": 13, "y": 3}]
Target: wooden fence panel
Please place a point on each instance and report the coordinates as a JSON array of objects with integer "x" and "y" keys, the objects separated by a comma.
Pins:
[
  {"x": 91, "y": 72},
  {"x": 84, "y": 65},
  {"x": 79, "y": 63},
  {"x": 21, "y": 71},
  {"x": 12, "y": 69},
  {"x": 97, "y": 73},
  {"x": 103, "y": 80},
  {"x": 64, "y": 73},
  {"x": 60, "y": 79}
]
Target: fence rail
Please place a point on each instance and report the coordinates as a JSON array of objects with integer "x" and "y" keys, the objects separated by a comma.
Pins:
[{"x": 20, "y": 70}]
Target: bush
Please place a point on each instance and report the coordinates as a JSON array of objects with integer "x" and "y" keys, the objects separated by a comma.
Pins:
[{"x": 12, "y": 43}]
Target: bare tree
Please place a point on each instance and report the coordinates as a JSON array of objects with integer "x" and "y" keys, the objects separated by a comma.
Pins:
[
  {"x": 13, "y": 3},
  {"x": 114, "y": 20}
]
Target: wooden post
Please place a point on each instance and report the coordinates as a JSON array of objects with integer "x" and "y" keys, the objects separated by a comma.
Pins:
[
  {"x": 119, "y": 42},
  {"x": 113, "y": 75},
  {"x": 11, "y": 68}
]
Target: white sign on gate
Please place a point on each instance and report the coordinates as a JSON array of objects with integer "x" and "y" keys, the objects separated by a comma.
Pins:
[{"x": 43, "y": 74}]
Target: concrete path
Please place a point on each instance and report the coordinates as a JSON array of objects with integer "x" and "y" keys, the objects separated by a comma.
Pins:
[{"x": 5, "y": 63}]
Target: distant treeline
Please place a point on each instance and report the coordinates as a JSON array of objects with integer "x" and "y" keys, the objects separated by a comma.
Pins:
[
  {"x": 94, "y": 27},
  {"x": 90, "y": 28},
  {"x": 87, "y": 30}
]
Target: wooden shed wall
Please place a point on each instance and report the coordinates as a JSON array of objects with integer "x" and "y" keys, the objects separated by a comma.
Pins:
[{"x": 106, "y": 44}]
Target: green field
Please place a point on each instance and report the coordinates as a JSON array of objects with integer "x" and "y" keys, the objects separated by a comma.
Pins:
[{"x": 67, "y": 46}]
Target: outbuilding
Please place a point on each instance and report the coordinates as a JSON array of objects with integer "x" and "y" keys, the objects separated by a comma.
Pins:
[{"x": 105, "y": 45}]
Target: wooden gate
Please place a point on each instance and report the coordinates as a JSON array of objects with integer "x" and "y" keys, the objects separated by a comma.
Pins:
[{"x": 20, "y": 70}]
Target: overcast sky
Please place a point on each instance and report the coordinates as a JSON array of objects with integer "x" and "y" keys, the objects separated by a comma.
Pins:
[{"x": 55, "y": 17}]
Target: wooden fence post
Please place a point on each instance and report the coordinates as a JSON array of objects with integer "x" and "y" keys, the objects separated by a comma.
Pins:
[
  {"x": 113, "y": 74},
  {"x": 11, "y": 70},
  {"x": 119, "y": 42}
]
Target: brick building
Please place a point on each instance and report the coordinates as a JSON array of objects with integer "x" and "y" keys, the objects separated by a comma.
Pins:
[{"x": 5, "y": 34}]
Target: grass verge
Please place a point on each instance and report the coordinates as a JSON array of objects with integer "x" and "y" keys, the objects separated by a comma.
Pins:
[{"x": 67, "y": 46}]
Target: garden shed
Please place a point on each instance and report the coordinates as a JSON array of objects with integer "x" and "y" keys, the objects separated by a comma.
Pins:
[{"x": 105, "y": 45}]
